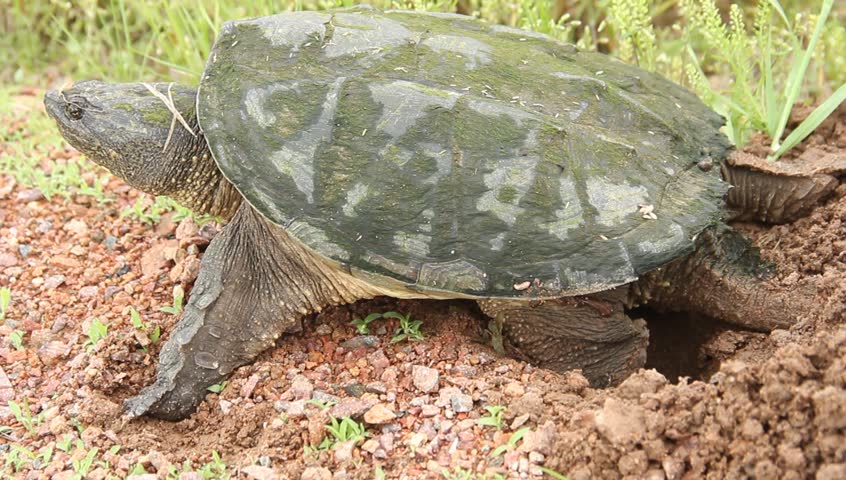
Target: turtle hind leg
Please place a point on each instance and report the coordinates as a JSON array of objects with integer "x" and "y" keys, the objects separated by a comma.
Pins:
[
  {"x": 588, "y": 333},
  {"x": 255, "y": 284},
  {"x": 726, "y": 279}
]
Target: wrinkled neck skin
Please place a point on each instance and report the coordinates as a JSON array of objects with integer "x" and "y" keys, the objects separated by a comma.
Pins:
[{"x": 190, "y": 176}]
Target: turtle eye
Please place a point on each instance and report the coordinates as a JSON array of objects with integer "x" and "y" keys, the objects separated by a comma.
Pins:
[{"x": 74, "y": 111}]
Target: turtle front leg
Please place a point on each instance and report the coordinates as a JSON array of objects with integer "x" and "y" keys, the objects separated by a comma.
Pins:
[
  {"x": 255, "y": 284},
  {"x": 588, "y": 333}
]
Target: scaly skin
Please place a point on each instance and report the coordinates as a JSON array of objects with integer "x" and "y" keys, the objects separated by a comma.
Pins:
[{"x": 125, "y": 129}]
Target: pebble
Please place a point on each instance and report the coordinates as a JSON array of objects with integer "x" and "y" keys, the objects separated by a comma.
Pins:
[
  {"x": 44, "y": 226},
  {"x": 294, "y": 409},
  {"x": 540, "y": 440},
  {"x": 361, "y": 341},
  {"x": 77, "y": 227},
  {"x": 54, "y": 281},
  {"x": 344, "y": 451},
  {"x": 225, "y": 406},
  {"x": 461, "y": 402},
  {"x": 425, "y": 379},
  {"x": 259, "y": 473},
  {"x": 379, "y": 414},
  {"x": 30, "y": 195},
  {"x": 323, "y": 329},
  {"x": 7, "y": 259},
  {"x": 24, "y": 249},
  {"x": 316, "y": 473},
  {"x": 351, "y": 407},
  {"x": 88, "y": 292},
  {"x": 429, "y": 410},
  {"x": 376, "y": 387},
  {"x": 301, "y": 388}
]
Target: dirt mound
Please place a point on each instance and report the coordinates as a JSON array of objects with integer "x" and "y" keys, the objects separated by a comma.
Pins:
[{"x": 784, "y": 418}]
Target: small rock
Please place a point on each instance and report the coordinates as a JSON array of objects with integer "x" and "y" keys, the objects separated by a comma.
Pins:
[
  {"x": 429, "y": 410},
  {"x": 185, "y": 270},
  {"x": 54, "y": 281},
  {"x": 316, "y": 473},
  {"x": 540, "y": 440},
  {"x": 88, "y": 292},
  {"x": 344, "y": 451},
  {"x": 323, "y": 329},
  {"x": 110, "y": 241},
  {"x": 370, "y": 445},
  {"x": 361, "y": 341},
  {"x": 225, "y": 406},
  {"x": 354, "y": 389},
  {"x": 190, "y": 476},
  {"x": 294, "y": 409},
  {"x": 51, "y": 353},
  {"x": 259, "y": 473},
  {"x": 30, "y": 195},
  {"x": 378, "y": 360},
  {"x": 44, "y": 226},
  {"x": 301, "y": 388},
  {"x": 425, "y": 379},
  {"x": 514, "y": 389},
  {"x": 187, "y": 228},
  {"x": 519, "y": 421},
  {"x": 351, "y": 407},
  {"x": 7, "y": 259},
  {"x": 376, "y": 387},
  {"x": 24, "y": 249},
  {"x": 6, "y": 391},
  {"x": 250, "y": 385},
  {"x": 77, "y": 227},
  {"x": 379, "y": 414},
  {"x": 461, "y": 402}
]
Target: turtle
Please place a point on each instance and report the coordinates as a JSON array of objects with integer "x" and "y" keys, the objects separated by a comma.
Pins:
[{"x": 361, "y": 152}]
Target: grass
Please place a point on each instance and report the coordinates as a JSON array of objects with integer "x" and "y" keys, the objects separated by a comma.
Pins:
[
  {"x": 175, "y": 308},
  {"x": 768, "y": 67},
  {"x": 97, "y": 331},
  {"x": 344, "y": 430},
  {"x": 5, "y": 300},
  {"x": 493, "y": 418}
]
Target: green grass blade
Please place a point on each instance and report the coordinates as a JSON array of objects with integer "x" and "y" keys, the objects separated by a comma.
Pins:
[
  {"x": 777, "y": 6},
  {"x": 798, "y": 73},
  {"x": 812, "y": 122}
]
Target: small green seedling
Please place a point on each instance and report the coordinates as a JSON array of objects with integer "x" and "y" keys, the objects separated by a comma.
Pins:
[
  {"x": 176, "y": 308},
  {"x": 217, "y": 387},
  {"x": 511, "y": 443},
  {"x": 16, "y": 339},
  {"x": 153, "y": 334},
  {"x": 96, "y": 332},
  {"x": 494, "y": 417},
  {"x": 408, "y": 329},
  {"x": 362, "y": 324},
  {"x": 24, "y": 415},
  {"x": 552, "y": 473},
  {"x": 323, "y": 405},
  {"x": 344, "y": 430},
  {"x": 83, "y": 465},
  {"x": 5, "y": 299},
  {"x": 215, "y": 469}
]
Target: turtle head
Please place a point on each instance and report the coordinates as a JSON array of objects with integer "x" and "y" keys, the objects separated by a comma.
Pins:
[{"x": 130, "y": 130}]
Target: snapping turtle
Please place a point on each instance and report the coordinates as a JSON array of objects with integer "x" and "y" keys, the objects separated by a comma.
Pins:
[{"x": 360, "y": 153}]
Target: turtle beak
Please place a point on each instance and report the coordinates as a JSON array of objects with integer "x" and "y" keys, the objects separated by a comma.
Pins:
[{"x": 53, "y": 104}]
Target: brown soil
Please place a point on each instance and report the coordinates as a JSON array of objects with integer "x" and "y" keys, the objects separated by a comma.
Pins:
[{"x": 758, "y": 405}]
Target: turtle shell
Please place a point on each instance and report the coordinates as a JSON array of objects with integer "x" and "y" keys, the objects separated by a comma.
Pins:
[{"x": 457, "y": 158}]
